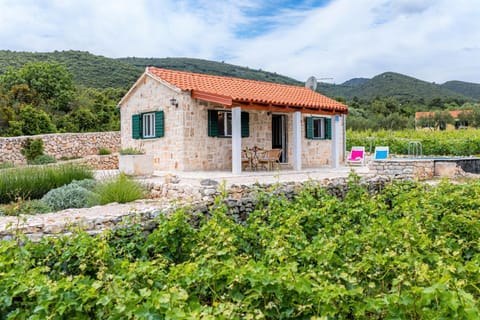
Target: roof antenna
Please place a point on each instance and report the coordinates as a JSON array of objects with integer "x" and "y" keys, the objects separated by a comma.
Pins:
[{"x": 312, "y": 82}]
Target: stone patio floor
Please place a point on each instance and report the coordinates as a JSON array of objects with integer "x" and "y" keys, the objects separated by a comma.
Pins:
[{"x": 193, "y": 178}]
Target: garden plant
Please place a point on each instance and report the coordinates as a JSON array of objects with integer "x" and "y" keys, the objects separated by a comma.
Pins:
[{"x": 410, "y": 251}]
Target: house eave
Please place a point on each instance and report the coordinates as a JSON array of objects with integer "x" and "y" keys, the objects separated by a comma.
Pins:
[
  {"x": 141, "y": 80},
  {"x": 212, "y": 97},
  {"x": 288, "y": 108}
]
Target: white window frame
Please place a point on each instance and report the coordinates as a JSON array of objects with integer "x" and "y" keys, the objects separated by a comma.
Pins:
[
  {"x": 321, "y": 126},
  {"x": 148, "y": 125},
  {"x": 227, "y": 124}
]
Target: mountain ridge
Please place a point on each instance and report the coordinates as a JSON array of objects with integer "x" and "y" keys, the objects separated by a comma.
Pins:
[
  {"x": 392, "y": 84},
  {"x": 97, "y": 71}
]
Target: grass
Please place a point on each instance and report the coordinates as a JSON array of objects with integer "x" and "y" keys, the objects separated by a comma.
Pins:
[
  {"x": 6, "y": 165},
  {"x": 104, "y": 152},
  {"x": 122, "y": 189},
  {"x": 34, "y": 182},
  {"x": 24, "y": 207},
  {"x": 70, "y": 158},
  {"x": 130, "y": 151}
]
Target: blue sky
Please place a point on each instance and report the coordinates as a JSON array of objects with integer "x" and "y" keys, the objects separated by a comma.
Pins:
[{"x": 434, "y": 40}]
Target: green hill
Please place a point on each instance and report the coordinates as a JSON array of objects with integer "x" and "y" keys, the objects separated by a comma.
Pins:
[
  {"x": 88, "y": 70},
  {"x": 102, "y": 72},
  {"x": 468, "y": 89},
  {"x": 210, "y": 67},
  {"x": 355, "y": 82},
  {"x": 390, "y": 84}
]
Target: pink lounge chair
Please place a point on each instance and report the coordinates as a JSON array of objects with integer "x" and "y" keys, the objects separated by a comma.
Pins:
[{"x": 357, "y": 156}]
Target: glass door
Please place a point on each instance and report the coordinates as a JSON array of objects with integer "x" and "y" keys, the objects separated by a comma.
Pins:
[{"x": 279, "y": 135}]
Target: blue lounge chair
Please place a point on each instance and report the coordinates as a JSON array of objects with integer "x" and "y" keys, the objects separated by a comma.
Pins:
[{"x": 381, "y": 153}]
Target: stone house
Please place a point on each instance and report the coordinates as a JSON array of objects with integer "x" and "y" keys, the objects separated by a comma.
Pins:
[
  {"x": 190, "y": 121},
  {"x": 425, "y": 120}
]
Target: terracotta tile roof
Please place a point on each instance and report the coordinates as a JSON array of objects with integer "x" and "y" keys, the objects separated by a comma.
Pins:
[
  {"x": 228, "y": 90},
  {"x": 453, "y": 113}
]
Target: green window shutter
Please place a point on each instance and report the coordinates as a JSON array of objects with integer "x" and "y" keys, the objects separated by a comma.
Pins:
[
  {"x": 136, "y": 126},
  {"x": 245, "y": 124},
  {"x": 328, "y": 128},
  {"x": 212, "y": 123},
  {"x": 159, "y": 124},
  {"x": 309, "y": 127}
]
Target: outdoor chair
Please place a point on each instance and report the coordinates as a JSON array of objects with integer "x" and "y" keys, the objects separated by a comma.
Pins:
[
  {"x": 269, "y": 158},
  {"x": 357, "y": 156},
  {"x": 247, "y": 157},
  {"x": 381, "y": 153}
]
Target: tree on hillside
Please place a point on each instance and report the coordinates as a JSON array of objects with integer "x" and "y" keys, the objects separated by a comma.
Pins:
[
  {"x": 470, "y": 117},
  {"x": 426, "y": 122},
  {"x": 442, "y": 119},
  {"x": 41, "y": 84},
  {"x": 32, "y": 121},
  {"x": 101, "y": 104},
  {"x": 436, "y": 121},
  {"x": 81, "y": 120}
]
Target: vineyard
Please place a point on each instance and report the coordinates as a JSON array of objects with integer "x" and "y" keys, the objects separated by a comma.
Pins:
[
  {"x": 408, "y": 252},
  {"x": 438, "y": 143}
]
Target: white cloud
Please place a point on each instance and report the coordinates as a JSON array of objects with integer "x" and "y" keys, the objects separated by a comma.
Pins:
[{"x": 434, "y": 40}]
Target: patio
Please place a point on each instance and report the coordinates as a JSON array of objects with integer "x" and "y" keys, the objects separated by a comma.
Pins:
[{"x": 194, "y": 178}]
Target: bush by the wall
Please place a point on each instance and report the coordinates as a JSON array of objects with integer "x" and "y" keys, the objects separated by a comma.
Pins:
[
  {"x": 34, "y": 182},
  {"x": 24, "y": 207},
  {"x": 6, "y": 165},
  {"x": 121, "y": 189},
  {"x": 88, "y": 184},
  {"x": 104, "y": 152},
  {"x": 32, "y": 148},
  {"x": 43, "y": 159},
  {"x": 70, "y": 196},
  {"x": 130, "y": 151}
]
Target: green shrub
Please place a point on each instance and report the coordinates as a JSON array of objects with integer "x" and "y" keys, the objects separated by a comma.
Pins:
[
  {"x": 35, "y": 182},
  {"x": 130, "y": 151},
  {"x": 32, "y": 148},
  {"x": 122, "y": 189},
  {"x": 43, "y": 159},
  {"x": 88, "y": 184},
  {"x": 6, "y": 165},
  {"x": 104, "y": 152},
  {"x": 24, "y": 207},
  {"x": 409, "y": 251},
  {"x": 69, "y": 158},
  {"x": 69, "y": 196}
]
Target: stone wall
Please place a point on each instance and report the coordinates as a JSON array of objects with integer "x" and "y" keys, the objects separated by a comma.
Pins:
[
  {"x": 407, "y": 169},
  {"x": 240, "y": 200},
  {"x": 97, "y": 162},
  {"x": 60, "y": 145}
]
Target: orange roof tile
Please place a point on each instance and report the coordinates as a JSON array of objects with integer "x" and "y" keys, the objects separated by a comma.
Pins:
[
  {"x": 453, "y": 113},
  {"x": 228, "y": 90}
]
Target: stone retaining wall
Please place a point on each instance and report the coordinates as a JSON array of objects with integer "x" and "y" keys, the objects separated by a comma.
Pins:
[
  {"x": 406, "y": 169},
  {"x": 241, "y": 200},
  {"x": 60, "y": 145},
  {"x": 97, "y": 162}
]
